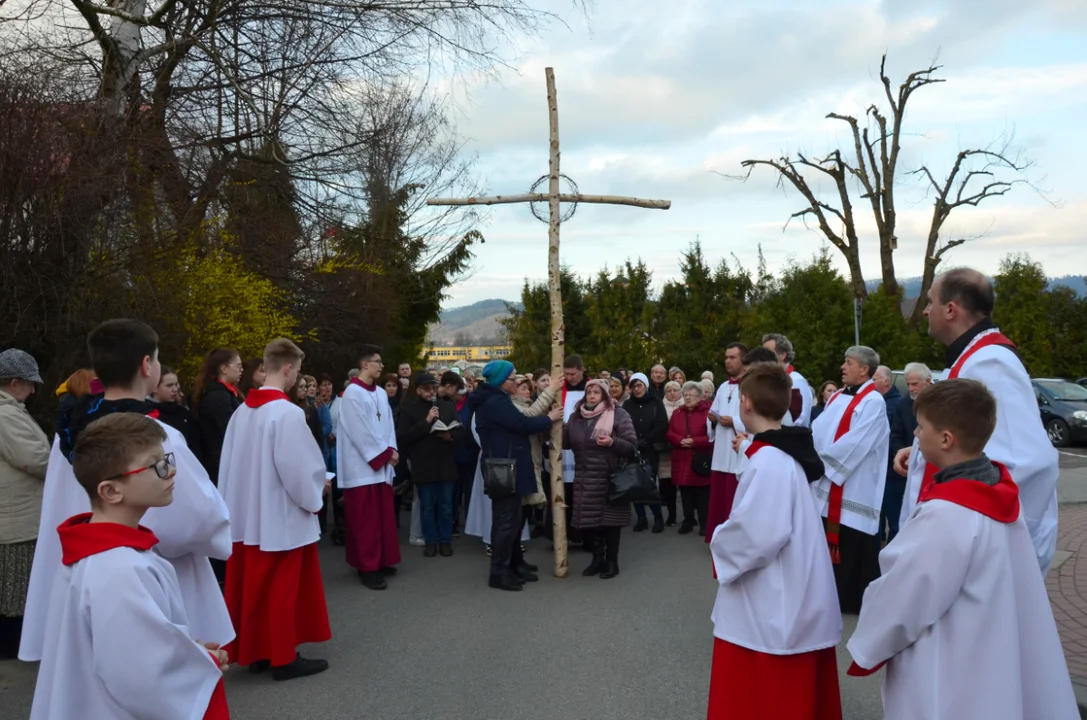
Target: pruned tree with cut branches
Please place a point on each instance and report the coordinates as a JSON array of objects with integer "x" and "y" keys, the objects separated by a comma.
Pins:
[{"x": 870, "y": 171}]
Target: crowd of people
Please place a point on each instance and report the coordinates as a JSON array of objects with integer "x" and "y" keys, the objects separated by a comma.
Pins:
[{"x": 932, "y": 516}]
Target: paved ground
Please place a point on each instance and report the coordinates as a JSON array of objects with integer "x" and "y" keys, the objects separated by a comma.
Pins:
[{"x": 440, "y": 645}]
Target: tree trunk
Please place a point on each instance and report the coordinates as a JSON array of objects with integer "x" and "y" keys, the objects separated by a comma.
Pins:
[{"x": 558, "y": 331}]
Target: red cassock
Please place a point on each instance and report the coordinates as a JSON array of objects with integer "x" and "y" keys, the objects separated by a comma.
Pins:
[
  {"x": 276, "y": 601},
  {"x": 749, "y": 685}
]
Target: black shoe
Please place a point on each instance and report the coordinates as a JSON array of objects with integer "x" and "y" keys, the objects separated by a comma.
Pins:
[
  {"x": 373, "y": 580},
  {"x": 445, "y": 549},
  {"x": 388, "y": 571},
  {"x": 596, "y": 566},
  {"x": 641, "y": 525},
  {"x": 526, "y": 576},
  {"x": 686, "y": 529},
  {"x": 658, "y": 526},
  {"x": 300, "y": 668},
  {"x": 670, "y": 522},
  {"x": 260, "y": 666},
  {"x": 527, "y": 567},
  {"x": 505, "y": 582},
  {"x": 430, "y": 550},
  {"x": 339, "y": 537},
  {"x": 611, "y": 571}
]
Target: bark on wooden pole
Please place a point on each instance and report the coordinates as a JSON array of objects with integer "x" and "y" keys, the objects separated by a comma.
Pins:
[
  {"x": 558, "y": 331},
  {"x": 546, "y": 197}
]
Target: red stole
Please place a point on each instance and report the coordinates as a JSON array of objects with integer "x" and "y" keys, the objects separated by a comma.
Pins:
[
  {"x": 994, "y": 338},
  {"x": 999, "y": 502},
  {"x": 262, "y": 396},
  {"x": 837, "y": 492}
]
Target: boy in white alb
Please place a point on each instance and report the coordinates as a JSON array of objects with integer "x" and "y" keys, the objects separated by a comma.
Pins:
[
  {"x": 194, "y": 527},
  {"x": 776, "y": 620},
  {"x": 117, "y": 643},
  {"x": 365, "y": 462},
  {"x": 960, "y": 616},
  {"x": 272, "y": 476}
]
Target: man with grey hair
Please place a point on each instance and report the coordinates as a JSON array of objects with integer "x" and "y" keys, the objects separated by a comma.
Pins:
[
  {"x": 892, "y": 491},
  {"x": 852, "y": 437},
  {"x": 903, "y": 423},
  {"x": 800, "y": 407},
  {"x": 658, "y": 378},
  {"x": 959, "y": 311}
]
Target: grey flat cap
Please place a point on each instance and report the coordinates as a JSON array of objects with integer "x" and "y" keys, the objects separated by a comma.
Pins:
[{"x": 19, "y": 365}]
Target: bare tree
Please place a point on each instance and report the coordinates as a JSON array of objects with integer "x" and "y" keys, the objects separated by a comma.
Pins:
[{"x": 871, "y": 167}]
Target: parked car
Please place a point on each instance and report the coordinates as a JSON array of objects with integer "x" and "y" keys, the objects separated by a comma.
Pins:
[
  {"x": 1082, "y": 381},
  {"x": 1063, "y": 404}
]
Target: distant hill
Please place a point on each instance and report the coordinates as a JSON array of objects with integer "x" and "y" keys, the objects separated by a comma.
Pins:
[
  {"x": 479, "y": 323},
  {"x": 912, "y": 286}
]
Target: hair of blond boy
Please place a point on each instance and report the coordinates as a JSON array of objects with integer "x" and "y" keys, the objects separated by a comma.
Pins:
[
  {"x": 279, "y": 353},
  {"x": 768, "y": 388},
  {"x": 108, "y": 447},
  {"x": 961, "y": 406}
]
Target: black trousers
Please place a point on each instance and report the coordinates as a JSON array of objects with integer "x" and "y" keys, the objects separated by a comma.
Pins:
[
  {"x": 859, "y": 566},
  {"x": 668, "y": 496},
  {"x": 696, "y": 503},
  {"x": 507, "y": 519}
]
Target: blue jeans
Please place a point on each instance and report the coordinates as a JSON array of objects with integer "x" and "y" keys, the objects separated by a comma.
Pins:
[{"x": 436, "y": 496}]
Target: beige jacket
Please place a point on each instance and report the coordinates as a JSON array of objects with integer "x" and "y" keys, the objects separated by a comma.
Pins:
[
  {"x": 24, "y": 453},
  {"x": 538, "y": 408}
]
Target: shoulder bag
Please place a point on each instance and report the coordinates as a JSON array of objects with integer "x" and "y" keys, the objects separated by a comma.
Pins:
[
  {"x": 500, "y": 475},
  {"x": 634, "y": 482},
  {"x": 701, "y": 463}
]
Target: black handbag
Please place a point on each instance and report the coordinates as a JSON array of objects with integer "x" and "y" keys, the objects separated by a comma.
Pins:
[
  {"x": 634, "y": 482},
  {"x": 701, "y": 463},
  {"x": 500, "y": 476}
]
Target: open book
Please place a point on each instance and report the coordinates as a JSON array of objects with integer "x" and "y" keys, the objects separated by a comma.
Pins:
[{"x": 440, "y": 426}]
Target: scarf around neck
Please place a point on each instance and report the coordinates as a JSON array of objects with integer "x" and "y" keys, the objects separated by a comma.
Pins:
[{"x": 604, "y": 410}]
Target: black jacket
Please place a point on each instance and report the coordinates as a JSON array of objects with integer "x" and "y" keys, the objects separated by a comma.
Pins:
[
  {"x": 650, "y": 425},
  {"x": 217, "y": 405},
  {"x": 181, "y": 419},
  {"x": 504, "y": 432},
  {"x": 903, "y": 423},
  {"x": 433, "y": 458}
]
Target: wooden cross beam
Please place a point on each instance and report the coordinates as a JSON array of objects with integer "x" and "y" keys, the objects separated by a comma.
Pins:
[{"x": 558, "y": 328}]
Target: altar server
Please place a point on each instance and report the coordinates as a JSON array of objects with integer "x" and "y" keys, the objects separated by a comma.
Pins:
[
  {"x": 852, "y": 436},
  {"x": 801, "y": 397},
  {"x": 776, "y": 620},
  {"x": 960, "y": 616},
  {"x": 959, "y": 311},
  {"x": 118, "y": 644},
  {"x": 365, "y": 460},
  {"x": 194, "y": 527},
  {"x": 724, "y": 416},
  {"x": 272, "y": 475}
]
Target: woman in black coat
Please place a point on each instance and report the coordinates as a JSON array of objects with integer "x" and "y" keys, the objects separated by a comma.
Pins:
[
  {"x": 602, "y": 437},
  {"x": 433, "y": 459},
  {"x": 650, "y": 420},
  {"x": 215, "y": 397}
]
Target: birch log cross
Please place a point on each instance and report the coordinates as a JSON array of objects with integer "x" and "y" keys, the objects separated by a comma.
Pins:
[{"x": 555, "y": 199}]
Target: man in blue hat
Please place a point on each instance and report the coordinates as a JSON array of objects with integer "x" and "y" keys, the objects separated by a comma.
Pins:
[{"x": 504, "y": 432}]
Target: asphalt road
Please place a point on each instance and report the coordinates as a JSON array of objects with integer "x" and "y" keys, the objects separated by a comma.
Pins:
[{"x": 440, "y": 645}]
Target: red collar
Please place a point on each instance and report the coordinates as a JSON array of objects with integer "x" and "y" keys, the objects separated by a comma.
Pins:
[
  {"x": 262, "y": 396},
  {"x": 80, "y": 538},
  {"x": 233, "y": 389},
  {"x": 754, "y": 448},
  {"x": 999, "y": 502},
  {"x": 364, "y": 386},
  {"x": 734, "y": 381},
  {"x": 790, "y": 369}
]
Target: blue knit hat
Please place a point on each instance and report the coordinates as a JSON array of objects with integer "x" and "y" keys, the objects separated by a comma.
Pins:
[{"x": 497, "y": 372}]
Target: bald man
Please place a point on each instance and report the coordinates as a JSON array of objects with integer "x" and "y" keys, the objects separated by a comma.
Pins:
[{"x": 959, "y": 312}]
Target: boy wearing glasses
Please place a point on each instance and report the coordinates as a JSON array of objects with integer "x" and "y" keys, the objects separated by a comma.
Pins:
[
  {"x": 118, "y": 642},
  {"x": 194, "y": 527}
]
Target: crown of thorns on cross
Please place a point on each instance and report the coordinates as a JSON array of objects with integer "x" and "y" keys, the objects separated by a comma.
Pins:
[{"x": 568, "y": 208}]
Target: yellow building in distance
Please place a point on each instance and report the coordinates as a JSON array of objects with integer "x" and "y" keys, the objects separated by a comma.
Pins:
[{"x": 442, "y": 355}]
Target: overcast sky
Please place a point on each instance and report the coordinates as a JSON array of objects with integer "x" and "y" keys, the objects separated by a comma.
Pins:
[{"x": 654, "y": 98}]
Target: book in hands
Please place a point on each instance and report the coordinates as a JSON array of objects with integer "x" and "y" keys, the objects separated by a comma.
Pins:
[{"x": 440, "y": 426}]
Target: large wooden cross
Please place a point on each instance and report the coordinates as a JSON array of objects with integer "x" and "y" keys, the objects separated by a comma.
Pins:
[{"x": 558, "y": 329}]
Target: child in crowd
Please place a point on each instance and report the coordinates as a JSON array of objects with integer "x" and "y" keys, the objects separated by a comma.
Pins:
[
  {"x": 776, "y": 621},
  {"x": 117, "y": 641},
  {"x": 960, "y": 616}
]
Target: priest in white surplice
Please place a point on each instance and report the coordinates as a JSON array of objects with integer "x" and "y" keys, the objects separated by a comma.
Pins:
[
  {"x": 272, "y": 476},
  {"x": 960, "y": 308},
  {"x": 725, "y": 424},
  {"x": 852, "y": 436},
  {"x": 365, "y": 459},
  {"x": 960, "y": 615}
]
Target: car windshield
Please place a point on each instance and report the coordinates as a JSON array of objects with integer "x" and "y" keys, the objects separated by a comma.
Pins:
[{"x": 1063, "y": 390}]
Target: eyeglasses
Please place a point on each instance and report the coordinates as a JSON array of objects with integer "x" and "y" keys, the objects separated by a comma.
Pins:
[{"x": 161, "y": 468}]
